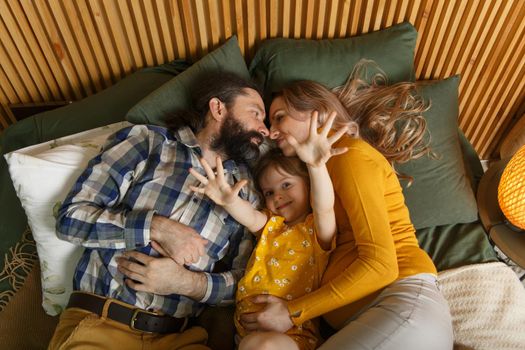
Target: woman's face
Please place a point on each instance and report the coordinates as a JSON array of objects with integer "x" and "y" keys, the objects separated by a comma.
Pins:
[{"x": 286, "y": 121}]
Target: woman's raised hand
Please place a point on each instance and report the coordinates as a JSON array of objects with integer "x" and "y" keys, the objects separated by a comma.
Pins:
[
  {"x": 215, "y": 186},
  {"x": 317, "y": 148}
]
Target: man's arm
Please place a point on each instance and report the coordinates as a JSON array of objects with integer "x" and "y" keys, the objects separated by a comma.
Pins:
[
  {"x": 164, "y": 276},
  {"x": 91, "y": 215}
]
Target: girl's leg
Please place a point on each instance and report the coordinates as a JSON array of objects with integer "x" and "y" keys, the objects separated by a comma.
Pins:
[
  {"x": 409, "y": 314},
  {"x": 267, "y": 341}
]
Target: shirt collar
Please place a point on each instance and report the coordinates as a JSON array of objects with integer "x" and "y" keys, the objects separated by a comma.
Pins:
[{"x": 186, "y": 136}]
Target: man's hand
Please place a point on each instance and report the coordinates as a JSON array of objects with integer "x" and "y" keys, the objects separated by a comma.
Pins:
[
  {"x": 317, "y": 148},
  {"x": 161, "y": 276},
  {"x": 215, "y": 186},
  {"x": 178, "y": 241},
  {"x": 274, "y": 317}
]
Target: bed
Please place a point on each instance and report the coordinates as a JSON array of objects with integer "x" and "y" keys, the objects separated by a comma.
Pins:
[{"x": 486, "y": 297}]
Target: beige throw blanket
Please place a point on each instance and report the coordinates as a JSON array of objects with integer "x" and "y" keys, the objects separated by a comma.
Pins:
[{"x": 487, "y": 303}]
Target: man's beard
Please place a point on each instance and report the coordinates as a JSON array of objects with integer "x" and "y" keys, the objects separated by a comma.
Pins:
[{"x": 235, "y": 142}]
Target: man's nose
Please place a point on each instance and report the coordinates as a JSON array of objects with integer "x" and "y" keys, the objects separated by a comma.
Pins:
[{"x": 263, "y": 130}]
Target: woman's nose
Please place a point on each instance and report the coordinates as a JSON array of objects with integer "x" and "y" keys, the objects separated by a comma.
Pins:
[{"x": 274, "y": 133}]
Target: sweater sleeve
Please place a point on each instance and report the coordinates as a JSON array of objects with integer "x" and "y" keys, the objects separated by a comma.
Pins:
[{"x": 359, "y": 183}]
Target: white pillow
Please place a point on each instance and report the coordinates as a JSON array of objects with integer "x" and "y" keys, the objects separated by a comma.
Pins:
[{"x": 42, "y": 176}]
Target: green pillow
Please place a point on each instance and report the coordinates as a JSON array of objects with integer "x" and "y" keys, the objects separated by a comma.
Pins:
[
  {"x": 330, "y": 61},
  {"x": 457, "y": 245},
  {"x": 441, "y": 193},
  {"x": 175, "y": 94}
]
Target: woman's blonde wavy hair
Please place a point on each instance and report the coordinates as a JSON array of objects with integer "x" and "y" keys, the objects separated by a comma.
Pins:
[{"x": 389, "y": 117}]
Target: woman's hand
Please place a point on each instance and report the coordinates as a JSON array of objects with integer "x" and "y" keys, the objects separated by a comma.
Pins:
[
  {"x": 215, "y": 186},
  {"x": 274, "y": 317},
  {"x": 317, "y": 148}
]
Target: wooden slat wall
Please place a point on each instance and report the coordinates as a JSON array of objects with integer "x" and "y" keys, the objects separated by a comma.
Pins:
[{"x": 69, "y": 49}]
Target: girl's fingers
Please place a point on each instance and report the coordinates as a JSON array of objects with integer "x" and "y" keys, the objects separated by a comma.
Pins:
[
  {"x": 199, "y": 177},
  {"x": 220, "y": 169},
  {"x": 198, "y": 189},
  {"x": 208, "y": 169},
  {"x": 237, "y": 187},
  {"x": 328, "y": 124},
  {"x": 337, "y": 135}
]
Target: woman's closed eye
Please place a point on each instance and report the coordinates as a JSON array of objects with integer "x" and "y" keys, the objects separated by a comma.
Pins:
[{"x": 277, "y": 118}]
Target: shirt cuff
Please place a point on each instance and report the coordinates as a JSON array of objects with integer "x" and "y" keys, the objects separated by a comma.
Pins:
[
  {"x": 216, "y": 292},
  {"x": 137, "y": 228}
]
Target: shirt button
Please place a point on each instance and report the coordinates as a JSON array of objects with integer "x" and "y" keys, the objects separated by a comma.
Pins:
[{"x": 195, "y": 200}]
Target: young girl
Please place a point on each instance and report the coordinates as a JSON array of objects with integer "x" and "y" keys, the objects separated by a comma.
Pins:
[{"x": 295, "y": 234}]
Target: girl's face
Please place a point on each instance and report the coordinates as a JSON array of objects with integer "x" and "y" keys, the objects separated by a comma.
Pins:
[
  {"x": 285, "y": 195},
  {"x": 287, "y": 121}
]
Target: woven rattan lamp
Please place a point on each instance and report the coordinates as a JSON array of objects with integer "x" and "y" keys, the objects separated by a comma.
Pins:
[{"x": 511, "y": 190}]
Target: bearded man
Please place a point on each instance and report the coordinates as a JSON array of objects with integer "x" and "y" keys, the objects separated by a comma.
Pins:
[{"x": 151, "y": 244}]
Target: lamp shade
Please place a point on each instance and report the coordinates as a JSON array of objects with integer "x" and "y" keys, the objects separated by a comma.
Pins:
[{"x": 511, "y": 190}]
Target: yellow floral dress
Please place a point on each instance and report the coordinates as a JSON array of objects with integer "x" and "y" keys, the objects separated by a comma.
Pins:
[{"x": 287, "y": 262}]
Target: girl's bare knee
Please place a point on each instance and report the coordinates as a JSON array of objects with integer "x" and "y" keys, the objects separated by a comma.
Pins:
[{"x": 267, "y": 341}]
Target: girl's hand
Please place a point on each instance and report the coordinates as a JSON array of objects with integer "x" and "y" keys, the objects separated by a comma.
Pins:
[
  {"x": 317, "y": 148},
  {"x": 215, "y": 186}
]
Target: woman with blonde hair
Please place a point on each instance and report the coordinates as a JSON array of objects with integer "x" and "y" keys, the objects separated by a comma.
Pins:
[{"x": 379, "y": 290}]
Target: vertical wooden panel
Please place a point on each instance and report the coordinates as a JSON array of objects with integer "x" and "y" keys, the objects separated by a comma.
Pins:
[
  {"x": 130, "y": 33},
  {"x": 176, "y": 19},
  {"x": 45, "y": 81},
  {"x": 85, "y": 52},
  {"x": 17, "y": 68},
  {"x": 63, "y": 49},
  {"x": 105, "y": 75},
  {"x": 119, "y": 37}
]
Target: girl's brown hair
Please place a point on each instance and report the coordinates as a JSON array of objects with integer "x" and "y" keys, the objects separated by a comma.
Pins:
[
  {"x": 389, "y": 117},
  {"x": 275, "y": 158}
]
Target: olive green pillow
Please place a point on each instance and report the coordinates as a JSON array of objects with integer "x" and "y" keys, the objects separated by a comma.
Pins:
[
  {"x": 441, "y": 193},
  {"x": 330, "y": 61},
  {"x": 175, "y": 94}
]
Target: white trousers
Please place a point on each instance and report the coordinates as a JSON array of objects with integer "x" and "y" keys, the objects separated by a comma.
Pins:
[{"x": 410, "y": 314}]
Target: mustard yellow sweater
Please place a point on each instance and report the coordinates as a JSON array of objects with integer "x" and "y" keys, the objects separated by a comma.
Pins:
[{"x": 376, "y": 243}]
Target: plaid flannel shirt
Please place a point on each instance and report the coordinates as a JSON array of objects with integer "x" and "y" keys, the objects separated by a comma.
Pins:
[{"x": 144, "y": 170}]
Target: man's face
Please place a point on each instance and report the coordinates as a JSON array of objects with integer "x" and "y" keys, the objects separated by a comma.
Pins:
[{"x": 243, "y": 128}]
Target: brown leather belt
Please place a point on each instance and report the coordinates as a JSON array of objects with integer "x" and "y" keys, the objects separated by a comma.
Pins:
[{"x": 135, "y": 318}]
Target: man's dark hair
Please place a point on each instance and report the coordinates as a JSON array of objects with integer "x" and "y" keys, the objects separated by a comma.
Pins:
[{"x": 225, "y": 86}]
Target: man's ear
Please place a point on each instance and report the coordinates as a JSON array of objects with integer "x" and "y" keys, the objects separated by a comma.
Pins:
[{"x": 217, "y": 109}]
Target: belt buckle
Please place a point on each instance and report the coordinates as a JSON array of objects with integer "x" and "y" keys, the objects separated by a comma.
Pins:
[{"x": 134, "y": 318}]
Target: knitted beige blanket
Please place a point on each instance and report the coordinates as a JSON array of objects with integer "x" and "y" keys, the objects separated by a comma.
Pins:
[{"x": 487, "y": 303}]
